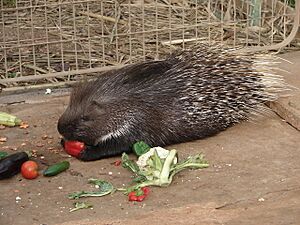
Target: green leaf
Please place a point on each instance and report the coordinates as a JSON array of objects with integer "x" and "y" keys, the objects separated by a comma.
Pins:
[
  {"x": 105, "y": 188},
  {"x": 104, "y": 185},
  {"x": 140, "y": 148},
  {"x": 155, "y": 161},
  {"x": 139, "y": 179},
  {"x": 192, "y": 162},
  {"x": 133, "y": 167},
  {"x": 139, "y": 192},
  {"x": 129, "y": 164},
  {"x": 81, "y": 205}
]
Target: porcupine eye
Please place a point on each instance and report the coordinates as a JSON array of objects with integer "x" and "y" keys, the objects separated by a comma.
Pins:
[{"x": 98, "y": 108}]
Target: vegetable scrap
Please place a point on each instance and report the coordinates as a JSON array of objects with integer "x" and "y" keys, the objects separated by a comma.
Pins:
[
  {"x": 3, "y": 139},
  {"x": 24, "y": 125},
  {"x": 104, "y": 187},
  {"x": 9, "y": 120},
  {"x": 39, "y": 145},
  {"x": 56, "y": 168},
  {"x": 117, "y": 163},
  {"x": 139, "y": 195},
  {"x": 44, "y": 137},
  {"x": 154, "y": 167},
  {"x": 160, "y": 171},
  {"x": 140, "y": 148},
  {"x": 81, "y": 205}
]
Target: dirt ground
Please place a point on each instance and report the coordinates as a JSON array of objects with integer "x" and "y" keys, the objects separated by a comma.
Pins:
[{"x": 253, "y": 178}]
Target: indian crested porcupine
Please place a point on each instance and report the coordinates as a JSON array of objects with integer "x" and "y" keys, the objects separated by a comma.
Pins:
[{"x": 190, "y": 95}]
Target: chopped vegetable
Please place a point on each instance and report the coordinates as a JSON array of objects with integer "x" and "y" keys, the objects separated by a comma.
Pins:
[
  {"x": 11, "y": 165},
  {"x": 56, "y": 168},
  {"x": 9, "y": 120},
  {"x": 146, "y": 190},
  {"x": 161, "y": 153},
  {"x": 117, "y": 162},
  {"x": 156, "y": 167},
  {"x": 105, "y": 188},
  {"x": 132, "y": 166},
  {"x": 3, "y": 139},
  {"x": 139, "y": 195},
  {"x": 74, "y": 148},
  {"x": 29, "y": 170},
  {"x": 3, "y": 155},
  {"x": 140, "y": 148},
  {"x": 160, "y": 172},
  {"x": 24, "y": 125},
  {"x": 81, "y": 205}
]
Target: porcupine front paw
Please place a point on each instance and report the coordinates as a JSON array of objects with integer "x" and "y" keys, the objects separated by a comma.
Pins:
[{"x": 92, "y": 153}]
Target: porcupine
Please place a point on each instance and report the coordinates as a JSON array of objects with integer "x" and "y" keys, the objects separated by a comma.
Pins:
[{"x": 190, "y": 95}]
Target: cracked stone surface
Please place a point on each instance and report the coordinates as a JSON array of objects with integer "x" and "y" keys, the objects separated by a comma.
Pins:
[{"x": 254, "y": 177}]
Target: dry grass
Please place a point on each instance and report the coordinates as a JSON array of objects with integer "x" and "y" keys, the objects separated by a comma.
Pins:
[{"x": 64, "y": 36}]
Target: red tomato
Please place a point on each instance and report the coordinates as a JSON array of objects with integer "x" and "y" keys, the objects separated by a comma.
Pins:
[
  {"x": 132, "y": 196},
  {"x": 29, "y": 170},
  {"x": 74, "y": 148}
]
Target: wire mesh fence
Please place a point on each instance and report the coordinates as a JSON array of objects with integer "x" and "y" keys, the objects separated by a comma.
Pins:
[{"x": 57, "y": 41}]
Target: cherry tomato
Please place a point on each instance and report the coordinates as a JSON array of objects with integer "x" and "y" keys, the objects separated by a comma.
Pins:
[
  {"x": 74, "y": 148},
  {"x": 139, "y": 195},
  {"x": 29, "y": 170},
  {"x": 132, "y": 196},
  {"x": 146, "y": 190},
  {"x": 140, "y": 198}
]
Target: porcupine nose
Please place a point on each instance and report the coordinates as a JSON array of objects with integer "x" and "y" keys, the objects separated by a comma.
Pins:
[{"x": 64, "y": 129}]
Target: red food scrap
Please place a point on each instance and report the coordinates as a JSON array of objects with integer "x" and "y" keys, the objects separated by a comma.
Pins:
[
  {"x": 117, "y": 162},
  {"x": 139, "y": 195}
]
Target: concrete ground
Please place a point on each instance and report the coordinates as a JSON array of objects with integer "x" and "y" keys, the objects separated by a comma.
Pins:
[{"x": 254, "y": 177}]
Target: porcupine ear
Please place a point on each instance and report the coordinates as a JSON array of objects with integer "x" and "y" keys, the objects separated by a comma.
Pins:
[{"x": 100, "y": 106}]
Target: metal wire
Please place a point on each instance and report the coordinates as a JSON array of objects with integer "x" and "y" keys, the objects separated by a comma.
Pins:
[{"x": 45, "y": 42}]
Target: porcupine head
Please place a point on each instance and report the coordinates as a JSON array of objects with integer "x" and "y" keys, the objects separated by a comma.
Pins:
[{"x": 190, "y": 95}]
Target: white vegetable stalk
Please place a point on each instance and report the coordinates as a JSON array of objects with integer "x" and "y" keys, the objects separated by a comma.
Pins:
[{"x": 165, "y": 172}]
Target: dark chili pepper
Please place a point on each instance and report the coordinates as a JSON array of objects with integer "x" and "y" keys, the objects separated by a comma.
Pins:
[
  {"x": 139, "y": 195},
  {"x": 11, "y": 165}
]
